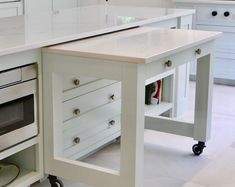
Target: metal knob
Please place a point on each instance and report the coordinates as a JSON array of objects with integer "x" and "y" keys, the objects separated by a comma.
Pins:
[
  {"x": 226, "y": 14},
  {"x": 168, "y": 63},
  {"x": 214, "y": 13},
  {"x": 76, "y": 140},
  {"x": 77, "y": 111},
  {"x": 112, "y": 123},
  {"x": 198, "y": 51},
  {"x": 112, "y": 97},
  {"x": 76, "y": 82}
]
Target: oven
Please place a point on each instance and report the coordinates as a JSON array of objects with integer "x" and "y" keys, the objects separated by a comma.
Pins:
[{"x": 18, "y": 105}]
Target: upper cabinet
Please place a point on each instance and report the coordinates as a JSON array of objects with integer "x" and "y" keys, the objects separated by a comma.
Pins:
[{"x": 10, "y": 8}]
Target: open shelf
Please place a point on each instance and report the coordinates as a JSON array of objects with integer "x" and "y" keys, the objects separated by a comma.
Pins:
[{"x": 156, "y": 110}]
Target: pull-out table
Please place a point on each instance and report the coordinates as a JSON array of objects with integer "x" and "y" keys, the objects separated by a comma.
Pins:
[{"x": 134, "y": 57}]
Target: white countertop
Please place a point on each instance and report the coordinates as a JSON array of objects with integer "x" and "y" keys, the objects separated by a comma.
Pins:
[
  {"x": 140, "y": 45},
  {"x": 220, "y": 2},
  {"x": 23, "y": 33}
]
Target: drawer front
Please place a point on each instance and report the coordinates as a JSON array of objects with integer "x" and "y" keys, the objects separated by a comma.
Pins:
[
  {"x": 85, "y": 103},
  {"x": 226, "y": 41},
  {"x": 89, "y": 119},
  {"x": 11, "y": 9},
  {"x": 216, "y": 15},
  {"x": 10, "y": 77},
  {"x": 71, "y": 82},
  {"x": 81, "y": 141}
]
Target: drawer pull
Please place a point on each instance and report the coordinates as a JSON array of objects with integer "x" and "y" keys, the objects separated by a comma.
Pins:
[
  {"x": 76, "y": 140},
  {"x": 226, "y": 14},
  {"x": 77, "y": 111},
  {"x": 76, "y": 82},
  {"x": 198, "y": 51},
  {"x": 168, "y": 63},
  {"x": 112, "y": 123},
  {"x": 214, "y": 13},
  {"x": 112, "y": 97}
]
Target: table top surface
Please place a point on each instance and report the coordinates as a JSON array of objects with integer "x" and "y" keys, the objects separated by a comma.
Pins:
[
  {"x": 141, "y": 45},
  {"x": 27, "y": 32}
]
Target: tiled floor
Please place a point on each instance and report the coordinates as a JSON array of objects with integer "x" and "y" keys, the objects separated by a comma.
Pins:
[{"x": 169, "y": 161}]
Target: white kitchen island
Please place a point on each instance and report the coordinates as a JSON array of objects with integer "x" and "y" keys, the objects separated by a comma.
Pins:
[{"x": 21, "y": 40}]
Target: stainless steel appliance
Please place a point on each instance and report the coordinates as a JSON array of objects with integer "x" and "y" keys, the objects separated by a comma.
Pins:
[{"x": 18, "y": 105}]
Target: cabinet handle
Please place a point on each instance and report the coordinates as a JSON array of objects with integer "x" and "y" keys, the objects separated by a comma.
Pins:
[
  {"x": 198, "y": 51},
  {"x": 76, "y": 140},
  {"x": 214, "y": 13},
  {"x": 112, "y": 97},
  {"x": 77, "y": 111},
  {"x": 76, "y": 82},
  {"x": 168, "y": 63},
  {"x": 226, "y": 14},
  {"x": 112, "y": 123}
]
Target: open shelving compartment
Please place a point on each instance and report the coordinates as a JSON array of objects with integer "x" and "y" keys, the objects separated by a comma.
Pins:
[
  {"x": 166, "y": 105},
  {"x": 27, "y": 155}
]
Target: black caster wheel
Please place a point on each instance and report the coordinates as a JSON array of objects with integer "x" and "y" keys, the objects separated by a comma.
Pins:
[
  {"x": 118, "y": 139},
  {"x": 198, "y": 148},
  {"x": 55, "y": 182}
]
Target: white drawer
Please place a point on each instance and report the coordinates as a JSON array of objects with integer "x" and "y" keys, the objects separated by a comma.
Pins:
[
  {"x": 71, "y": 82},
  {"x": 204, "y": 15},
  {"x": 78, "y": 106},
  {"x": 10, "y": 77},
  {"x": 86, "y": 88},
  {"x": 226, "y": 41},
  {"x": 82, "y": 141},
  {"x": 11, "y": 9}
]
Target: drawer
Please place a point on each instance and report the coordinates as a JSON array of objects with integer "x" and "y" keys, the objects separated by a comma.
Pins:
[
  {"x": 82, "y": 141},
  {"x": 90, "y": 119},
  {"x": 86, "y": 87},
  {"x": 71, "y": 82},
  {"x": 10, "y": 77},
  {"x": 80, "y": 105},
  {"x": 11, "y": 9},
  {"x": 219, "y": 17},
  {"x": 29, "y": 72},
  {"x": 226, "y": 41}
]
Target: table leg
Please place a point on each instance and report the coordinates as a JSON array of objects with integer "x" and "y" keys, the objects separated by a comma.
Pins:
[{"x": 132, "y": 131}]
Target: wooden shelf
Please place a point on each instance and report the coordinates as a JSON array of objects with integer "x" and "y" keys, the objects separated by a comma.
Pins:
[{"x": 156, "y": 110}]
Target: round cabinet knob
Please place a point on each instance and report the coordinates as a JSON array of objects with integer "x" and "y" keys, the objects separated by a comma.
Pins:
[
  {"x": 226, "y": 14},
  {"x": 214, "y": 13},
  {"x": 112, "y": 123},
  {"x": 198, "y": 51},
  {"x": 168, "y": 63},
  {"x": 77, "y": 111},
  {"x": 112, "y": 97},
  {"x": 76, "y": 82},
  {"x": 76, "y": 140}
]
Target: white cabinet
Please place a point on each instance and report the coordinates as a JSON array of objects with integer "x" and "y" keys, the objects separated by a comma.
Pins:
[
  {"x": 8, "y": 9},
  {"x": 216, "y": 16},
  {"x": 64, "y": 4}
]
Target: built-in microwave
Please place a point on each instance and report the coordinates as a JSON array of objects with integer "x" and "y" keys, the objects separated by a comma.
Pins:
[{"x": 18, "y": 105}]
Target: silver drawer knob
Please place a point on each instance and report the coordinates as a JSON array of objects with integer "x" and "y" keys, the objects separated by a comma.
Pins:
[
  {"x": 76, "y": 82},
  {"x": 112, "y": 123},
  {"x": 76, "y": 140},
  {"x": 198, "y": 51},
  {"x": 77, "y": 111},
  {"x": 168, "y": 63},
  {"x": 112, "y": 97}
]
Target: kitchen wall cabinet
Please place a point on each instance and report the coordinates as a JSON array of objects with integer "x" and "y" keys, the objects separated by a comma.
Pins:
[
  {"x": 8, "y": 9},
  {"x": 217, "y": 16}
]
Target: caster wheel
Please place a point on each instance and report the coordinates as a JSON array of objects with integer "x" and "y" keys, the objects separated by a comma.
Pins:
[
  {"x": 118, "y": 139},
  {"x": 55, "y": 182},
  {"x": 198, "y": 148}
]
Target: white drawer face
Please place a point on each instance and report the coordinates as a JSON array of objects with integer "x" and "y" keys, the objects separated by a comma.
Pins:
[
  {"x": 227, "y": 40},
  {"x": 82, "y": 141},
  {"x": 78, "y": 106},
  {"x": 216, "y": 15},
  {"x": 71, "y": 82}
]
